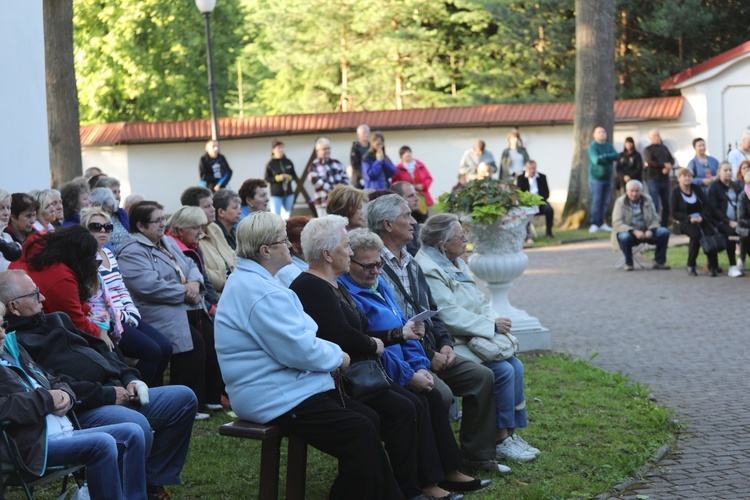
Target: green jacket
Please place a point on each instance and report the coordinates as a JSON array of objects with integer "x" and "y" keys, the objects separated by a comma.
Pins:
[{"x": 601, "y": 157}]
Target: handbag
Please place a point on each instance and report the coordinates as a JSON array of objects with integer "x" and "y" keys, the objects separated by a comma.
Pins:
[
  {"x": 711, "y": 243},
  {"x": 500, "y": 347},
  {"x": 364, "y": 380}
]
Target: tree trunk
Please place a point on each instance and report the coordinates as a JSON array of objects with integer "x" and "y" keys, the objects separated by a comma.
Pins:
[
  {"x": 594, "y": 96},
  {"x": 62, "y": 95}
]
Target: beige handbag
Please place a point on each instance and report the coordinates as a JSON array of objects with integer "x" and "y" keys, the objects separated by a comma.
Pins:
[{"x": 500, "y": 347}]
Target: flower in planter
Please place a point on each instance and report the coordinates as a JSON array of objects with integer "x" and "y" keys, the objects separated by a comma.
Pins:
[{"x": 484, "y": 201}]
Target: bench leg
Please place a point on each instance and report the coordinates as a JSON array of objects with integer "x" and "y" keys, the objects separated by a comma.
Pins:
[
  {"x": 296, "y": 469},
  {"x": 270, "y": 453}
]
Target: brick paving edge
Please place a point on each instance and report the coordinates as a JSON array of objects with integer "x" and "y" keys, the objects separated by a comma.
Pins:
[{"x": 661, "y": 453}]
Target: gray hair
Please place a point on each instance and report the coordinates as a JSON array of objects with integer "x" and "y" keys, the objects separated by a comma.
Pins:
[
  {"x": 364, "y": 239},
  {"x": 4, "y": 195},
  {"x": 256, "y": 230},
  {"x": 187, "y": 216},
  {"x": 9, "y": 287},
  {"x": 107, "y": 182},
  {"x": 437, "y": 229},
  {"x": 386, "y": 207},
  {"x": 322, "y": 142},
  {"x": 324, "y": 233},
  {"x": 634, "y": 182},
  {"x": 88, "y": 213},
  {"x": 224, "y": 197},
  {"x": 103, "y": 197},
  {"x": 363, "y": 128}
]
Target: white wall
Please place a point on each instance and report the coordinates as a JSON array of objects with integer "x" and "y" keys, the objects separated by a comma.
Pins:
[
  {"x": 162, "y": 171},
  {"x": 23, "y": 101}
]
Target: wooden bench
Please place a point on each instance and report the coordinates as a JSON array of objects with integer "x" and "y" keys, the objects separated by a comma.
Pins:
[{"x": 270, "y": 455}]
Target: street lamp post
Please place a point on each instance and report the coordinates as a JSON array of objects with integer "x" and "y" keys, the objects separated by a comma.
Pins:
[{"x": 206, "y": 7}]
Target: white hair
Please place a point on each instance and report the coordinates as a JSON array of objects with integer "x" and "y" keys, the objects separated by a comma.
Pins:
[
  {"x": 381, "y": 208},
  {"x": 634, "y": 182},
  {"x": 322, "y": 142},
  {"x": 324, "y": 233},
  {"x": 363, "y": 128}
]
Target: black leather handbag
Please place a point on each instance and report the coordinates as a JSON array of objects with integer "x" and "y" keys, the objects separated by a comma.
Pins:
[
  {"x": 713, "y": 242},
  {"x": 365, "y": 379}
]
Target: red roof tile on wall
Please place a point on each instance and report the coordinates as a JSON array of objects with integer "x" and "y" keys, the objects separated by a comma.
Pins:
[
  {"x": 730, "y": 54},
  {"x": 491, "y": 115}
]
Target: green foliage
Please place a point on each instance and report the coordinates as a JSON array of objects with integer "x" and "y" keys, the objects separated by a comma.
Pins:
[
  {"x": 146, "y": 59},
  {"x": 486, "y": 200}
]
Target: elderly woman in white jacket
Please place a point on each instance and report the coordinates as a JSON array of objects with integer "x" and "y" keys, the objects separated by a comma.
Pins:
[
  {"x": 467, "y": 313},
  {"x": 277, "y": 370}
]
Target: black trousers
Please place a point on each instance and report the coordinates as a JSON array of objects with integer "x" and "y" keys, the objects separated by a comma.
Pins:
[
  {"x": 549, "y": 217},
  {"x": 352, "y": 435},
  {"x": 398, "y": 430},
  {"x": 437, "y": 450},
  {"x": 199, "y": 368},
  {"x": 693, "y": 231}
]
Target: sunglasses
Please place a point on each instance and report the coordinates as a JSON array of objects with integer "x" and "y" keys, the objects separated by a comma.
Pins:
[
  {"x": 96, "y": 227},
  {"x": 368, "y": 268}
]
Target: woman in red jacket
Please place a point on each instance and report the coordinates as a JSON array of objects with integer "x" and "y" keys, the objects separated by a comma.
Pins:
[
  {"x": 63, "y": 265},
  {"x": 415, "y": 173}
]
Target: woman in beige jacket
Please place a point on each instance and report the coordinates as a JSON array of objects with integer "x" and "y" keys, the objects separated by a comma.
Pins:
[{"x": 467, "y": 313}]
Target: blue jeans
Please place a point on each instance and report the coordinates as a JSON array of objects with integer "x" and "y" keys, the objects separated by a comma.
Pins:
[
  {"x": 98, "y": 449},
  {"x": 659, "y": 190},
  {"x": 660, "y": 238},
  {"x": 150, "y": 347},
  {"x": 285, "y": 202},
  {"x": 510, "y": 402},
  {"x": 167, "y": 421},
  {"x": 600, "y": 191}
]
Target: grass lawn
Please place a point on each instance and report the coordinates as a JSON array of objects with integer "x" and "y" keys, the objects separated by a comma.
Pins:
[
  {"x": 563, "y": 237},
  {"x": 594, "y": 429},
  {"x": 677, "y": 257}
]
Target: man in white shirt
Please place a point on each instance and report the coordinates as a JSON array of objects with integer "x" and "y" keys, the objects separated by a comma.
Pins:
[
  {"x": 740, "y": 154},
  {"x": 536, "y": 183}
]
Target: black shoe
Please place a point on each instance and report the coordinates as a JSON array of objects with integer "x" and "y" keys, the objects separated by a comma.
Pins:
[
  {"x": 660, "y": 267},
  {"x": 691, "y": 271},
  {"x": 463, "y": 486},
  {"x": 712, "y": 273}
]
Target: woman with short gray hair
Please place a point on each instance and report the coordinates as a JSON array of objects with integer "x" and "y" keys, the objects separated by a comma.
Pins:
[
  {"x": 120, "y": 217},
  {"x": 326, "y": 247},
  {"x": 467, "y": 314},
  {"x": 103, "y": 197},
  {"x": 278, "y": 371}
]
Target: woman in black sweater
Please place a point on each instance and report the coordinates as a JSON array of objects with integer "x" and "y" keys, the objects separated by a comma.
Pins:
[{"x": 690, "y": 209}]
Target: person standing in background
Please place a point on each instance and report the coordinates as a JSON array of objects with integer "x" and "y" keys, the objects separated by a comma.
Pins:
[
  {"x": 602, "y": 155},
  {"x": 213, "y": 167},
  {"x": 658, "y": 162},
  {"x": 471, "y": 160},
  {"x": 514, "y": 157},
  {"x": 279, "y": 176},
  {"x": 360, "y": 147}
]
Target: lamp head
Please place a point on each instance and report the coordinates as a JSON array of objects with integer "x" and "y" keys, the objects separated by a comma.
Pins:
[{"x": 205, "y": 6}]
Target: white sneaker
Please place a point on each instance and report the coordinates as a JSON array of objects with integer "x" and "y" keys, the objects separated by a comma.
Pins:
[
  {"x": 510, "y": 449},
  {"x": 593, "y": 228},
  {"x": 202, "y": 416},
  {"x": 741, "y": 265},
  {"x": 605, "y": 228},
  {"x": 734, "y": 272},
  {"x": 522, "y": 442},
  {"x": 214, "y": 407}
]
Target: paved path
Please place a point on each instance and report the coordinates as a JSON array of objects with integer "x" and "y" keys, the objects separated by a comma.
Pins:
[{"x": 686, "y": 337}]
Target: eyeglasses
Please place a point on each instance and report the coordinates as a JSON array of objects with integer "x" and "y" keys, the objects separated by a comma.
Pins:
[
  {"x": 461, "y": 237},
  {"x": 160, "y": 220},
  {"x": 285, "y": 241},
  {"x": 96, "y": 227},
  {"x": 35, "y": 292},
  {"x": 368, "y": 268}
]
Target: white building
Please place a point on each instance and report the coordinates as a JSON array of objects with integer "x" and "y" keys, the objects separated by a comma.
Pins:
[{"x": 23, "y": 98}]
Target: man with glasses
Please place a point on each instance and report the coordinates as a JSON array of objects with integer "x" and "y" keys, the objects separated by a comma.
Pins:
[
  {"x": 108, "y": 391},
  {"x": 389, "y": 217}
]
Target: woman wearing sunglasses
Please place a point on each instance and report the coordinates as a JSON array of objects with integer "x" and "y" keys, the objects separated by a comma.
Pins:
[{"x": 139, "y": 339}]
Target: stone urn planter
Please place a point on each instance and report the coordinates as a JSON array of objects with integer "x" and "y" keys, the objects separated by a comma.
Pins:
[
  {"x": 498, "y": 259},
  {"x": 495, "y": 213}
]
